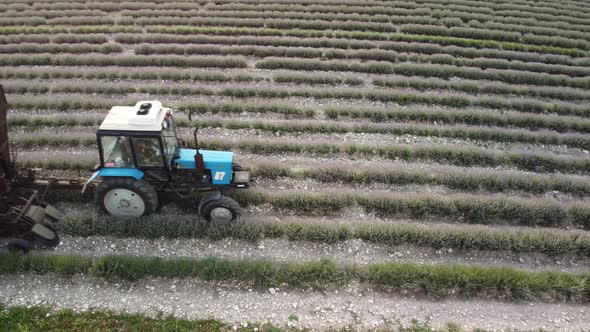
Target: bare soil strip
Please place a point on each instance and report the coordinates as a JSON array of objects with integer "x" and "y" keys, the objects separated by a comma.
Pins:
[
  {"x": 355, "y": 306},
  {"x": 282, "y": 250}
]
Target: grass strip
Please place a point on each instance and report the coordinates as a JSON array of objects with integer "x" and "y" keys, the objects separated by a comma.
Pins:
[
  {"x": 460, "y": 156},
  {"x": 454, "y": 208},
  {"x": 436, "y": 281},
  {"x": 464, "y": 237},
  {"x": 40, "y": 318},
  {"x": 522, "y": 105},
  {"x": 43, "y": 318},
  {"x": 60, "y": 48}
]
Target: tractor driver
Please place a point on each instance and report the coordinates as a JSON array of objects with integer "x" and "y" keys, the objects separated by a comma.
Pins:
[{"x": 147, "y": 151}]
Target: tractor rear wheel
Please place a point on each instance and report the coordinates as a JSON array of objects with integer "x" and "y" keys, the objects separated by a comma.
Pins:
[
  {"x": 126, "y": 197},
  {"x": 222, "y": 211}
]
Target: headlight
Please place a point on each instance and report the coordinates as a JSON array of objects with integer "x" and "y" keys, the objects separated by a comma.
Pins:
[{"x": 241, "y": 176}]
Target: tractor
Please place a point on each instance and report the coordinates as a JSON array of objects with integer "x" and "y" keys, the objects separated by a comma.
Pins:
[
  {"x": 25, "y": 217},
  {"x": 142, "y": 156}
]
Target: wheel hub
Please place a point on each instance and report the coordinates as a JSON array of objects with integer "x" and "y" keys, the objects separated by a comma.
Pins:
[
  {"x": 124, "y": 202},
  {"x": 221, "y": 215}
]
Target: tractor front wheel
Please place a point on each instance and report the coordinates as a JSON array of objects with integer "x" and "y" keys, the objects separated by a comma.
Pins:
[
  {"x": 126, "y": 197},
  {"x": 222, "y": 211}
]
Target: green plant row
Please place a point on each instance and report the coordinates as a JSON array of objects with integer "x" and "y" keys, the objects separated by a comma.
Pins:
[
  {"x": 461, "y": 132},
  {"x": 444, "y": 12},
  {"x": 523, "y": 105},
  {"x": 339, "y": 41},
  {"x": 259, "y": 23},
  {"x": 437, "y": 281},
  {"x": 457, "y": 180},
  {"x": 39, "y": 318},
  {"x": 317, "y": 79},
  {"x": 426, "y": 70},
  {"x": 571, "y": 13},
  {"x": 75, "y": 20},
  {"x": 360, "y": 35},
  {"x": 85, "y": 104},
  {"x": 472, "y": 181},
  {"x": 447, "y": 13},
  {"x": 499, "y": 35},
  {"x": 530, "y": 121},
  {"x": 464, "y": 237},
  {"x": 60, "y": 38},
  {"x": 60, "y": 48},
  {"x": 123, "y": 61},
  {"x": 470, "y": 117},
  {"x": 460, "y": 156},
  {"x": 84, "y": 29},
  {"x": 376, "y": 55},
  {"x": 453, "y": 208},
  {"x": 475, "y": 87},
  {"x": 167, "y": 74}
]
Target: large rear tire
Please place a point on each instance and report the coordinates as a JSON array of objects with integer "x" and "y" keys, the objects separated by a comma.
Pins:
[
  {"x": 126, "y": 197},
  {"x": 222, "y": 211}
]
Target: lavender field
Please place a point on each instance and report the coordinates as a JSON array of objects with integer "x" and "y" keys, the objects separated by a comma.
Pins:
[{"x": 418, "y": 160}]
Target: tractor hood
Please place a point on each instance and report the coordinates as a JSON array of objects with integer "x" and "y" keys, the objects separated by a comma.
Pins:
[{"x": 218, "y": 162}]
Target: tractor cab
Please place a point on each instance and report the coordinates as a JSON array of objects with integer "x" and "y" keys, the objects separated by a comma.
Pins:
[{"x": 141, "y": 155}]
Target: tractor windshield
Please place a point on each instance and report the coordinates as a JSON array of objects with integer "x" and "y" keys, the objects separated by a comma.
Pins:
[
  {"x": 116, "y": 151},
  {"x": 170, "y": 140}
]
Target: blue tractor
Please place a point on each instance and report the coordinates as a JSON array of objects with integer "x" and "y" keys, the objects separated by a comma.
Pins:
[{"x": 142, "y": 156}]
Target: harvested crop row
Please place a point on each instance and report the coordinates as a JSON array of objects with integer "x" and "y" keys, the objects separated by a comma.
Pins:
[
  {"x": 457, "y": 208},
  {"x": 438, "y": 281},
  {"x": 84, "y": 29},
  {"x": 65, "y": 48},
  {"x": 158, "y": 74},
  {"x": 477, "y": 118},
  {"x": 522, "y": 105},
  {"x": 230, "y": 108},
  {"x": 460, "y": 180},
  {"x": 476, "y": 87},
  {"x": 343, "y": 40},
  {"x": 460, "y": 156},
  {"x": 375, "y": 55},
  {"x": 464, "y": 237},
  {"x": 123, "y": 61},
  {"x": 60, "y": 38},
  {"x": 473, "y": 181},
  {"x": 426, "y": 70},
  {"x": 447, "y": 11},
  {"x": 460, "y": 132},
  {"x": 530, "y": 121}
]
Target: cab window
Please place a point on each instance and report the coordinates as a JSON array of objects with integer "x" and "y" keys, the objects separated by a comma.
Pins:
[
  {"x": 116, "y": 151},
  {"x": 147, "y": 151},
  {"x": 170, "y": 140}
]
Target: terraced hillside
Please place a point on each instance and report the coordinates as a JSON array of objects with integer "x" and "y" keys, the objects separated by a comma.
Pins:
[{"x": 416, "y": 160}]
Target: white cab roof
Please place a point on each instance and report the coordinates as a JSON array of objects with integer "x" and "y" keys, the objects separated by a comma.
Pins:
[{"x": 127, "y": 118}]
